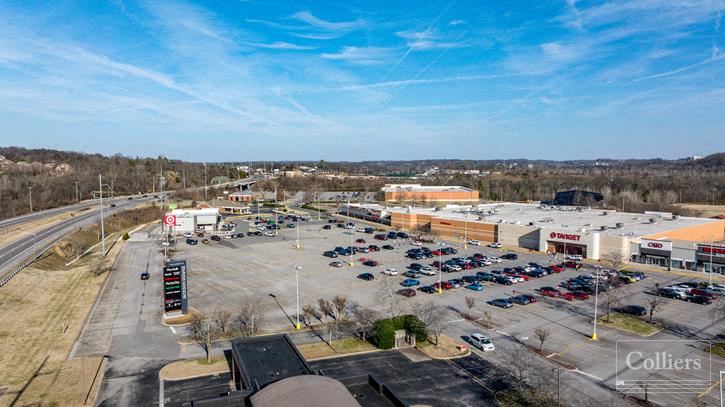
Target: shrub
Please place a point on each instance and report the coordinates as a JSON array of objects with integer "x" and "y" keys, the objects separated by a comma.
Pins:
[
  {"x": 384, "y": 334},
  {"x": 125, "y": 236}
]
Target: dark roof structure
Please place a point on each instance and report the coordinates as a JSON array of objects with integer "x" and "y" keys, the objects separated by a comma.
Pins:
[{"x": 267, "y": 359}]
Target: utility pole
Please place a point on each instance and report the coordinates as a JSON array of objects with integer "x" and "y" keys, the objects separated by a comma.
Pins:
[
  {"x": 103, "y": 233},
  {"x": 78, "y": 196},
  {"x": 161, "y": 189},
  {"x": 183, "y": 172},
  {"x": 30, "y": 194},
  {"x": 205, "y": 181}
]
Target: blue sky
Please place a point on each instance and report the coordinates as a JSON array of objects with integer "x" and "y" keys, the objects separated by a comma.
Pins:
[{"x": 359, "y": 80}]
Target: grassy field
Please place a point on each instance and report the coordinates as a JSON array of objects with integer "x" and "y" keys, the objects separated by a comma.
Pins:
[
  {"x": 718, "y": 349},
  {"x": 630, "y": 324},
  {"x": 340, "y": 347},
  {"x": 705, "y": 211},
  {"x": 42, "y": 311},
  {"x": 184, "y": 369},
  {"x": 447, "y": 348}
]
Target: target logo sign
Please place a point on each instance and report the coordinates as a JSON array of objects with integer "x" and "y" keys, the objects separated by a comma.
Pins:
[
  {"x": 552, "y": 235},
  {"x": 170, "y": 220}
]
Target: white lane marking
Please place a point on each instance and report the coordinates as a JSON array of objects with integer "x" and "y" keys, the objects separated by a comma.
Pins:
[
  {"x": 161, "y": 392},
  {"x": 588, "y": 375},
  {"x": 173, "y": 331}
]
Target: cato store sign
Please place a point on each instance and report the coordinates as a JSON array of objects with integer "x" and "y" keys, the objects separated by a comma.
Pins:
[{"x": 655, "y": 245}]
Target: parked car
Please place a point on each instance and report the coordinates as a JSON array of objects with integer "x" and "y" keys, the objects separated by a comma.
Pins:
[
  {"x": 501, "y": 302},
  {"x": 388, "y": 247},
  {"x": 412, "y": 274},
  {"x": 444, "y": 284},
  {"x": 481, "y": 342},
  {"x": 188, "y": 235},
  {"x": 636, "y": 310},
  {"x": 549, "y": 292},
  {"x": 427, "y": 289},
  {"x": 483, "y": 276},
  {"x": 366, "y": 276},
  {"x": 455, "y": 283},
  {"x": 575, "y": 257},
  {"x": 192, "y": 242},
  {"x": 503, "y": 280},
  {"x": 374, "y": 248},
  {"x": 475, "y": 287},
  {"x": 327, "y": 227},
  {"x": 410, "y": 282},
  {"x": 474, "y": 242},
  {"x": 510, "y": 256},
  {"x": 402, "y": 235},
  {"x": 416, "y": 243},
  {"x": 337, "y": 263},
  {"x": 370, "y": 263},
  {"x": 497, "y": 245},
  {"x": 407, "y": 292},
  {"x": 390, "y": 272},
  {"x": 361, "y": 241},
  {"x": 145, "y": 275},
  {"x": 470, "y": 279},
  {"x": 205, "y": 241},
  {"x": 269, "y": 233},
  {"x": 380, "y": 237},
  {"x": 555, "y": 268},
  {"x": 704, "y": 292},
  {"x": 363, "y": 249},
  {"x": 671, "y": 293},
  {"x": 572, "y": 265},
  {"x": 699, "y": 299}
]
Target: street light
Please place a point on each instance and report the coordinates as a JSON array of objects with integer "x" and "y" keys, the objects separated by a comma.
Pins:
[
  {"x": 465, "y": 230},
  {"x": 352, "y": 234},
  {"x": 297, "y": 277},
  {"x": 298, "y": 232},
  {"x": 558, "y": 386},
  {"x": 440, "y": 267},
  {"x": 596, "y": 304}
]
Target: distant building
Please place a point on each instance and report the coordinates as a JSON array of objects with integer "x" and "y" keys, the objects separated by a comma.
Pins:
[
  {"x": 244, "y": 196},
  {"x": 577, "y": 197},
  {"x": 191, "y": 220},
  {"x": 432, "y": 194}
]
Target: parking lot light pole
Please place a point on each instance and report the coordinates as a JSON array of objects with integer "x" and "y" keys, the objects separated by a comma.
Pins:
[
  {"x": 297, "y": 277},
  {"x": 465, "y": 230},
  {"x": 352, "y": 234},
  {"x": 440, "y": 267},
  {"x": 298, "y": 232},
  {"x": 596, "y": 304}
]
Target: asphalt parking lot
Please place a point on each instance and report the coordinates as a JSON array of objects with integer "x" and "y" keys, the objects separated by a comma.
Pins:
[{"x": 229, "y": 272}]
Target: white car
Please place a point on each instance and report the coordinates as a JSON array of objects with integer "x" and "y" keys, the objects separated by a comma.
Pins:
[
  {"x": 575, "y": 257},
  {"x": 390, "y": 272},
  {"x": 495, "y": 245},
  {"x": 474, "y": 242},
  {"x": 493, "y": 259},
  {"x": 188, "y": 235},
  {"x": 269, "y": 233},
  {"x": 416, "y": 243},
  {"x": 454, "y": 267},
  {"x": 261, "y": 227},
  {"x": 515, "y": 279},
  {"x": 487, "y": 262},
  {"x": 481, "y": 342},
  {"x": 350, "y": 226},
  {"x": 428, "y": 271},
  {"x": 360, "y": 230}
]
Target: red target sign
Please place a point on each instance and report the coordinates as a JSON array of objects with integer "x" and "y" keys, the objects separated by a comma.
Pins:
[{"x": 170, "y": 220}]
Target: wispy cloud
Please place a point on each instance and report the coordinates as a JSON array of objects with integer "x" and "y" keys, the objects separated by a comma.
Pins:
[
  {"x": 456, "y": 22},
  {"x": 360, "y": 55},
  {"x": 283, "y": 45},
  {"x": 424, "y": 40},
  {"x": 307, "y": 17}
]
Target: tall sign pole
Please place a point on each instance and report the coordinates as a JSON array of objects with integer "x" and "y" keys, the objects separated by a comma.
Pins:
[{"x": 103, "y": 233}]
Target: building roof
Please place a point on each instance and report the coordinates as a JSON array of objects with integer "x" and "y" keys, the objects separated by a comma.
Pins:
[
  {"x": 304, "y": 391},
  {"x": 544, "y": 216},
  {"x": 426, "y": 188},
  {"x": 265, "y": 360},
  {"x": 195, "y": 212}
]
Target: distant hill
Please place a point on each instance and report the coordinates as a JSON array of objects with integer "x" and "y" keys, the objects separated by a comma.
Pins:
[{"x": 53, "y": 174}]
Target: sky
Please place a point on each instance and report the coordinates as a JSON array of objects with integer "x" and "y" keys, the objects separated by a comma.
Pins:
[{"x": 364, "y": 80}]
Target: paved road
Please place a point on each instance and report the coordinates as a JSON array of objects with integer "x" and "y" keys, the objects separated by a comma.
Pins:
[{"x": 15, "y": 251}]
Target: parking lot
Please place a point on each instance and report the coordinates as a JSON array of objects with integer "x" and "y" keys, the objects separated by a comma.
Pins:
[{"x": 260, "y": 268}]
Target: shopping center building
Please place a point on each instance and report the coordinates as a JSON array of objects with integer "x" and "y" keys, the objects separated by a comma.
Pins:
[
  {"x": 416, "y": 193},
  {"x": 652, "y": 237}
]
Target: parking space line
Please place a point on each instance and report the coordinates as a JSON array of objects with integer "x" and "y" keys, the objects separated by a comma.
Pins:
[{"x": 711, "y": 387}]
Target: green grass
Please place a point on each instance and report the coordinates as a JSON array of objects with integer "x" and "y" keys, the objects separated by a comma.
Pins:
[
  {"x": 718, "y": 348},
  {"x": 629, "y": 323}
]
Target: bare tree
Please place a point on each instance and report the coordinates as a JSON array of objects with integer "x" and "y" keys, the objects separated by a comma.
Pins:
[
  {"x": 611, "y": 299},
  {"x": 340, "y": 303},
  {"x": 432, "y": 318},
  {"x": 364, "y": 318},
  {"x": 389, "y": 298},
  {"x": 204, "y": 332},
  {"x": 542, "y": 334},
  {"x": 326, "y": 308},
  {"x": 718, "y": 310},
  {"x": 309, "y": 312},
  {"x": 615, "y": 260},
  {"x": 249, "y": 319},
  {"x": 519, "y": 365},
  {"x": 222, "y": 317},
  {"x": 653, "y": 303},
  {"x": 487, "y": 320},
  {"x": 470, "y": 304}
]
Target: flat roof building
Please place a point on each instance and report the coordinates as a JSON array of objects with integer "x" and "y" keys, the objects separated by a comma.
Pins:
[
  {"x": 191, "y": 220},
  {"x": 652, "y": 237},
  {"x": 402, "y": 193}
]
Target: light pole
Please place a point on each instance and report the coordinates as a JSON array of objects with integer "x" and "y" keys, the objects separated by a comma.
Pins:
[
  {"x": 297, "y": 277},
  {"x": 78, "y": 196},
  {"x": 711, "y": 263},
  {"x": 352, "y": 234},
  {"x": 205, "y": 181},
  {"x": 440, "y": 267},
  {"x": 103, "y": 233},
  {"x": 30, "y": 194},
  {"x": 558, "y": 386},
  {"x": 298, "y": 232},
  {"x": 319, "y": 214},
  {"x": 465, "y": 230},
  {"x": 596, "y": 304}
]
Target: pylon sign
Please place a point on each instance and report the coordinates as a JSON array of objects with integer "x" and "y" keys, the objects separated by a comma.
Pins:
[{"x": 170, "y": 220}]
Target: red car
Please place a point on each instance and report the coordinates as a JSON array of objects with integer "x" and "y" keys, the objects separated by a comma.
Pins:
[
  {"x": 436, "y": 264},
  {"x": 581, "y": 296},
  {"x": 437, "y": 253},
  {"x": 556, "y": 268},
  {"x": 381, "y": 237},
  {"x": 704, "y": 293},
  {"x": 360, "y": 241},
  {"x": 572, "y": 265},
  {"x": 550, "y": 292},
  {"x": 446, "y": 285},
  {"x": 374, "y": 248}
]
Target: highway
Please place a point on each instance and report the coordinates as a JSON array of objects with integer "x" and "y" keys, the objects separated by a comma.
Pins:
[{"x": 12, "y": 253}]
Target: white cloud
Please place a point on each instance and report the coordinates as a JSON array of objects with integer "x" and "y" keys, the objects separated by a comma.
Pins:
[
  {"x": 360, "y": 55},
  {"x": 424, "y": 40},
  {"x": 457, "y": 22},
  {"x": 307, "y": 17},
  {"x": 283, "y": 45}
]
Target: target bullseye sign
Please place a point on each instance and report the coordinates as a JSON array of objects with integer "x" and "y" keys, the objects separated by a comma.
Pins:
[{"x": 170, "y": 220}]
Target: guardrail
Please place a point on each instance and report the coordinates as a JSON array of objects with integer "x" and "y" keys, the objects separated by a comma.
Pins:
[{"x": 30, "y": 260}]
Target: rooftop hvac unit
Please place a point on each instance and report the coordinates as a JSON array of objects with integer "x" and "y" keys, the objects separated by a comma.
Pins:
[
  {"x": 602, "y": 228},
  {"x": 531, "y": 223},
  {"x": 619, "y": 225},
  {"x": 675, "y": 217},
  {"x": 605, "y": 213},
  {"x": 652, "y": 220},
  {"x": 518, "y": 222},
  {"x": 583, "y": 230}
]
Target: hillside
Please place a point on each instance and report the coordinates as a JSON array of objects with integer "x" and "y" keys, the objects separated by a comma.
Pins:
[{"x": 53, "y": 174}]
